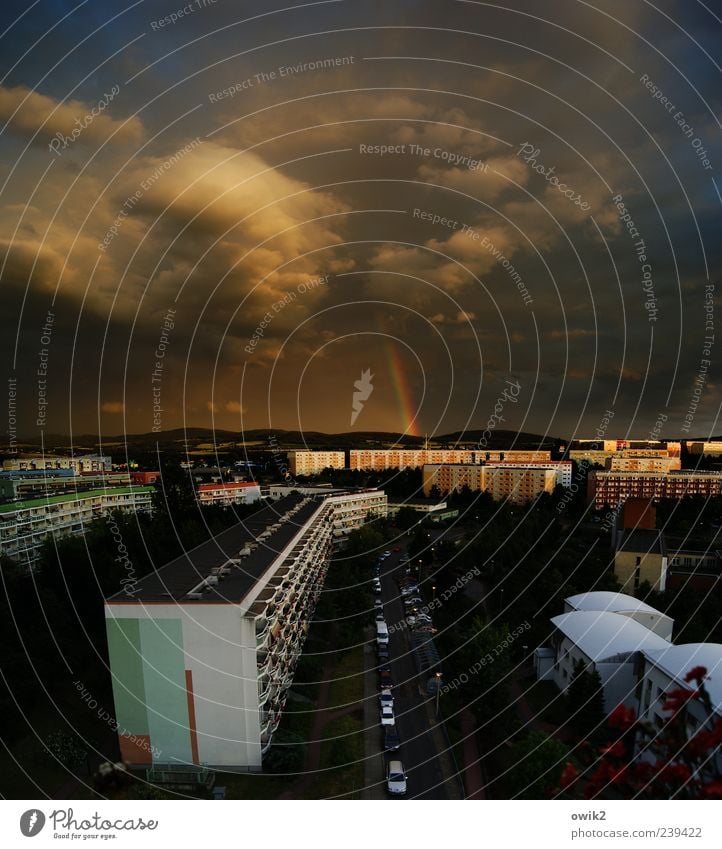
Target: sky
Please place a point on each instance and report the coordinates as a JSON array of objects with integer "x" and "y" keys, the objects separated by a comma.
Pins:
[{"x": 228, "y": 214}]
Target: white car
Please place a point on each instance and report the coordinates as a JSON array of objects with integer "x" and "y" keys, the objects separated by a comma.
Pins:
[
  {"x": 387, "y": 715},
  {"x": 386, "y": 699},
  {"x": 396, "y": 779}
]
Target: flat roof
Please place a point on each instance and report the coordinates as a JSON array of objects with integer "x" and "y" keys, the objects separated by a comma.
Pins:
[
  {"x": 172, "y": 582},
  {"x": 80, "y": 495},
  {"x": 677, "y": 661},
  {"x": 611, "y": 601},
  {"x": 602, "y": 635},
  {"x": 643, "y": 540}
]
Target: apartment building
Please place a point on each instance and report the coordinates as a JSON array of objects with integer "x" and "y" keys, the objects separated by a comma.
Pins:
[
  {"x": 624, "y": 605},
  {"x": 641, "y": 555},
  {"x": 79, "y": 464},
  {"x": 376, "y": 460},
  {"x": 704, "y": 447},
  {"x": 516, "y": 482},
  {"x": 627, "y": 463},
  {"x": 605, "y": 642},
  {"x": 204, "y": 652},
  {"x": 664, "y": 670},
  {"x": 226, "y": 494},
  {"x": 638, "y": 665},
  {"x": 453, "y": 477},
  {"x": 314, "y": 462},
  {"x": 25, "y": 524},
  {"x": 562, "y": 470},
  {"x": 608, "y": 488}
]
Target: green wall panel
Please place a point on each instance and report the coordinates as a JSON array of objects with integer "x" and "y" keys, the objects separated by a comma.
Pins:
[
  {"x": 128, "y": 685},
  {"x": 163, "y": 664}
]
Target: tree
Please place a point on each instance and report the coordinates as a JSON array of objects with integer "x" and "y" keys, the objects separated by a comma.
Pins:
[
  {"x": 585, "y": 702},
  {"x": 538, "y": 761},
  {"x": 174, "y": 494}
]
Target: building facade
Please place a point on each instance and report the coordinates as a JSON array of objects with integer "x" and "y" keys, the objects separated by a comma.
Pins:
[
  {"x": 203, "y": 653},
  {"x": 25, "y": 524},
  {"x": 226, "y": 494},
  {"x": 662, "y": 465},
  {"x": 377, "y": 460},
  {"x": 79, "y": 464},
  {"x": 314, "y": 462},
  {"x": 605, "y": 642},
  {"x": 608, "y": 488},
  {"x": 516, "y": 482}
]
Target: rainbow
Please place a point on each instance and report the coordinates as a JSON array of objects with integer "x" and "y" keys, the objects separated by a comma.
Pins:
[{"x": 404, "y": 399}]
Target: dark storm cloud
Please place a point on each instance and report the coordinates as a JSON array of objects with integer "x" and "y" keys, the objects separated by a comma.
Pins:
[{"x": 407, "y": 158}]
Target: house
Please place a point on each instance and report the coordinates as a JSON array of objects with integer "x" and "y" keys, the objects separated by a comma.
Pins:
[
  {"x": 606, "y": 642},
  {"x": 625, "y": 605}
]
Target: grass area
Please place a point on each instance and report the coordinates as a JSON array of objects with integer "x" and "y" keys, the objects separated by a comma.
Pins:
[
  {"x": 342, "y": 755},
  {"x": 347, "y": 686}
]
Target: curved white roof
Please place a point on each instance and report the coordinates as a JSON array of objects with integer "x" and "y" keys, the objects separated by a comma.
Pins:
[
  {"x": 613, "y": 602},
  {"x": 677, "y": 661},
  {"x": 600, "y": 634}
]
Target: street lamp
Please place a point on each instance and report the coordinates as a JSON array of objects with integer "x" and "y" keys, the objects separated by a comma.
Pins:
[
  {"x": 501, "y": 599},
  {"x": 438, "y": 692},
  {"x": 433, "y": 594}
]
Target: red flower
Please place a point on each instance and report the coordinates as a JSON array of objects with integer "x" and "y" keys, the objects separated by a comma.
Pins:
[
  {"x": 714, "y": 790},
  {"x": 675, "y": 700},
  {"x": 616, "y": 749},
  {"x": 569, "y": 775},
  {"x": 622, "y": 717},
  {"x": 696, "y": 674}
]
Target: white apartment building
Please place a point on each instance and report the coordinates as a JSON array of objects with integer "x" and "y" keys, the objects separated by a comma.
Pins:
[
  {"x": 79, "y": 464},
  {"x": 314, "y": 462},
  {"x": 25, "y": 524},
  {"x": 606, "y": 642},
  {"x": 227, "y": 494},
  {"x": 625, "y": 605},
  {"x": 665, "y": 670},
  {"x": 203, "y": 652}
]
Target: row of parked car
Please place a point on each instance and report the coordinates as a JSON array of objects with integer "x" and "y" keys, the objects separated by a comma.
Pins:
[{"x": 395, "y": 775}]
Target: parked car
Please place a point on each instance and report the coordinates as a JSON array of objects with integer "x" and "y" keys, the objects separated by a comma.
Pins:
[
  {"x": 392, "y": 741},
  {"x": 387, "y": 715},
  {"x": 396, "y": 778},
  {"x": 378, "y": 603},
  {"x": 385, "y": 679},
  {"x": 379, "y": 616},
  {"x": 385, "y": 698}
]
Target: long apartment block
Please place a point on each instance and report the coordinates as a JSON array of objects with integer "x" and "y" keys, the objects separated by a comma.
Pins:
[
  {"x": 25, "y": 524},
  {"x": 314, "y": 462},
  {"x": 376, "y": 460},
  {"x": 203, "y": 651},
  {"x": 516, "y": 482},
  {"x": 610, "y": 488}
]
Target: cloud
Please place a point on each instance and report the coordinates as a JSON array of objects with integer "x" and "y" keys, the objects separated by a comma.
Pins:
[
  {"x": 29, "y": 112},
  {"x": 112, "y": 407}
]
